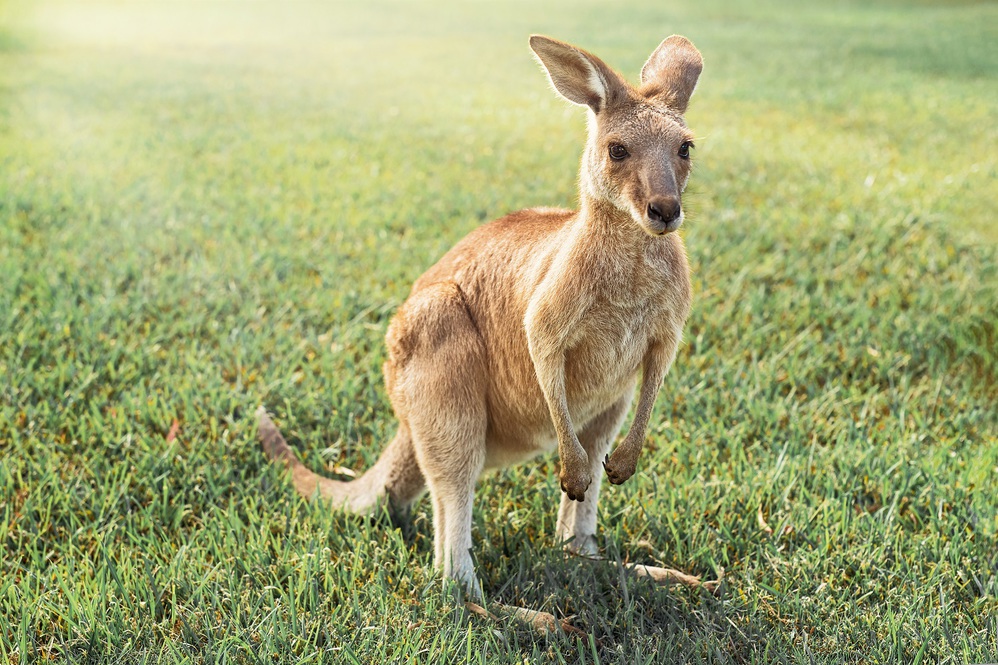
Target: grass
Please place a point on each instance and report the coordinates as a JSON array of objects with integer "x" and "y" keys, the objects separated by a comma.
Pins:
[{"x": 204, "y": 207}]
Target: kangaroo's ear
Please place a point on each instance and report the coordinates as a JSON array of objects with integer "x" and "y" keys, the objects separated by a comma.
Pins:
[
  {"x": 672, "y": 71},
  {"x": 578, "y": 76}
]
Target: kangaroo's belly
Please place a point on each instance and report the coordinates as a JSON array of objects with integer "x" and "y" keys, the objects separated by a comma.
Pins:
[
  {"x": 515, "y": 442},
  {"x": 520, "y": 424}
]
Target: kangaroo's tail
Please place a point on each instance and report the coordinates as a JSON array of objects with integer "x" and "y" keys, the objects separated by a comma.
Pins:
[{"x": 395, "y": 477}]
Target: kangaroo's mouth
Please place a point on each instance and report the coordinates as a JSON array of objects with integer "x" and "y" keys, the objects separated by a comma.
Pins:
[
  {"x": 673, "y": 225},
  {"x": 660, "y": 227}
]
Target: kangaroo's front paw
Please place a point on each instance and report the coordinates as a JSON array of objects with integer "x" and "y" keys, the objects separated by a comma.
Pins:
[
  {"x": 619, "y": 466},
  {"x": 575, "y": 484}
]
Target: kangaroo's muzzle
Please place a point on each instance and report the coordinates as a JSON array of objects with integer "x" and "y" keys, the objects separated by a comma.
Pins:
[{"x": 665, "y": 213}]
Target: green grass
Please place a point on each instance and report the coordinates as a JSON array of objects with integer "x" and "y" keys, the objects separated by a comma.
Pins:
[{"x": 208, "y": 206}]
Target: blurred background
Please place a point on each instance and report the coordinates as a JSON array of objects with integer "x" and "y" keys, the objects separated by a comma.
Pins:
[{"x": 823, "y": 107}]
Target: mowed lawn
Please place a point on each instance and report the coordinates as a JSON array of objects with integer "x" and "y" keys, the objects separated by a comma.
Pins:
[{"x": 209, "y": 206}]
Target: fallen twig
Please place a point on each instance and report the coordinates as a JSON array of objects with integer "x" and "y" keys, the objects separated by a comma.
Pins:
[
  {"x": 672, "y": 576},
  {"x": 541, "y": 623},
  {"x": 343, "y": 471},
  {"x": 478, "y": 610}
]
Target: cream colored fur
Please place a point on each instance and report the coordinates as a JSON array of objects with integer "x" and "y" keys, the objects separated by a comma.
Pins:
[{"x": 532, "y": 332}]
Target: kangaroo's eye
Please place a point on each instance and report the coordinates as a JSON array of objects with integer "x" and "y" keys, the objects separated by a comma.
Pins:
[
  {"x": 684, "y": 149},
  {"x": 617, "y": 152}
]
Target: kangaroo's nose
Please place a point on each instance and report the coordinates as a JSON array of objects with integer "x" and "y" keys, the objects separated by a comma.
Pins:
[{"x": 664, "y": 209}]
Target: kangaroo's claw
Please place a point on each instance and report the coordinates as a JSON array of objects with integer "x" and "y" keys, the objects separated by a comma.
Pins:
[
  {"x": 618, "y": 472},
  {"x": 575, "y": 485}
]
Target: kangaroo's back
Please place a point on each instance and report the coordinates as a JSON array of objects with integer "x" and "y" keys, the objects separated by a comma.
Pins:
[{"x": 495, "y": 255}]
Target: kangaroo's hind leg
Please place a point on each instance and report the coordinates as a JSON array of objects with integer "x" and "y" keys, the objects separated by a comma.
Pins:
[
  {"x": 577, "y": 519},
  {"x": 436, "y": 374}
]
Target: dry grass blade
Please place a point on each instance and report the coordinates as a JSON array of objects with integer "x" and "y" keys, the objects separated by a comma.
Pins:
[
  {"x": 763, "y": 524},
  {"x": 174, "y": 430}
]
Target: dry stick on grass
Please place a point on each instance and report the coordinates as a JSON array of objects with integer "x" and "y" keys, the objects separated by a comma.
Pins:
[
  {"x": 661, "y": 575},
  {"x": 673, "y": 576},
  {"x": 541, "y": 623},
  {"x": 338, "y": 470}
]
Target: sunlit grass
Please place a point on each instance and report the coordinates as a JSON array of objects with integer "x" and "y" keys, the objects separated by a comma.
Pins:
[{"x": 207, "y": 206}]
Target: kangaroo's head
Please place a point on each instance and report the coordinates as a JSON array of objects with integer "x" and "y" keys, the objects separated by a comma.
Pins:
[{"x": 637, "y": 156}]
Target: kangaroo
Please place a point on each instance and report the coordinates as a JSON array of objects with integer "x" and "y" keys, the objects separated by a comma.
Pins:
[{"x": 532, "y": 331}]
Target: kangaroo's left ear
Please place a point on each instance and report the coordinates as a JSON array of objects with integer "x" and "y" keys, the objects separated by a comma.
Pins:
[{"x": 672, "y": 71}]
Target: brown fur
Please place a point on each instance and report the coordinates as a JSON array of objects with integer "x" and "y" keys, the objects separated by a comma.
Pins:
[{"x": 532, "y": 331}]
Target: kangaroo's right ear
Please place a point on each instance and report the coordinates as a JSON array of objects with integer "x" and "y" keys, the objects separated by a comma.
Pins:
[
  {"x": 672, "y": 72},
  {"x": 579, "y": 77}
]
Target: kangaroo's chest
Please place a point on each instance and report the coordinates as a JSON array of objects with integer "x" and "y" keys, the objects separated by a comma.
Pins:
[{"x": 605, "y": 355}]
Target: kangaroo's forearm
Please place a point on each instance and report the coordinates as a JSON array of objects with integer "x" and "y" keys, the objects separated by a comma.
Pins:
[
  {"x": 621, "y": 464},
  {"x": 547, "y": 338},
  {"x": 547, "y": 329},
  {"x": 575, "y": 463},
  {"x": 550, "y": 369},
  {"x": 656, "y": 364}
]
